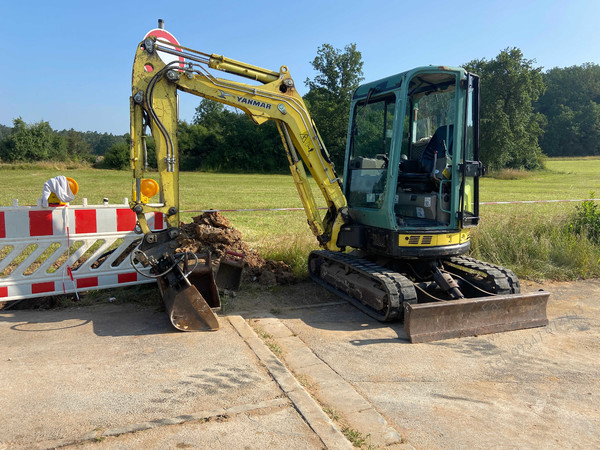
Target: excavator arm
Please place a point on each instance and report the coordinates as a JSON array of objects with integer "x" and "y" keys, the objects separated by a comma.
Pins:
[{"x": 154, "y": 104}]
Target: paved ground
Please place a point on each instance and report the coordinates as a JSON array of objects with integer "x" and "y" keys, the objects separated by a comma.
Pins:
[
  {"x": 535, "y": 388},
  {"x": 118, "y": 376}
]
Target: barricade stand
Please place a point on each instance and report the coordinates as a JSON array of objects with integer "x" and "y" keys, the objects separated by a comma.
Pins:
[{"x": 40, "y": 246}]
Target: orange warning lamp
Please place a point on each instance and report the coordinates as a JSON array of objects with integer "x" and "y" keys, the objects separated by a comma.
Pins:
[
  {"x": 73, "y": 185},
  {"x": 148, "y": 189},
  {"x": 53, "y": 200}
]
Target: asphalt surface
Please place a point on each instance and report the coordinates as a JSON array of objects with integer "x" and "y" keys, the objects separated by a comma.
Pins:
[
  {"x": 284, "y": 362},
  {"x": 536, "y": 388},
  {"x": 119, "y": 376}
]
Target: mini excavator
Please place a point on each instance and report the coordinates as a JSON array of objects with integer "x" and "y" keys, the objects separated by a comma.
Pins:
[{"x": 396, "y": 234}]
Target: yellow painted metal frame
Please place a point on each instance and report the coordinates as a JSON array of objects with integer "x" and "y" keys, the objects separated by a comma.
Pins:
[
  {"x": 433, "y": 240},
  {"x": 276, "y": 100}
]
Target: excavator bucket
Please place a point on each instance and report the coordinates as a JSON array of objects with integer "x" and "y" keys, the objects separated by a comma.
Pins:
[
  {"x": 229, "y": 275},
  {"x": 425, "y": 322},
  {"x": 187, "y": 308},
  {"x": 203, "y": 279}
]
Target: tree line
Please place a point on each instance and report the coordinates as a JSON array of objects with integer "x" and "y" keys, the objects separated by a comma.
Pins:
[
  {"x": 525, "y": 114},
  {"x": 39, "y": 142}
]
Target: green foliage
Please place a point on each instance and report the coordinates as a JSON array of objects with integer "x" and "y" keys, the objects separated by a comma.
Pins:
[
  {"x": 4, "y": 130},
  {"x": 30, "y": 143},
  {"x": 96, "y": 143},
  {"x": 535, "y": 246},
  {"x": 330, "y": 92},
  {"x": 509, "y": 126},
  {"x": 78, "y": 148},
  {"x": 571, "y": 105},
  {"x": 220, "y": 139},
  {"x": 210, "y": 114},
  {"x": 117, "y": 157},
  {"x": 100, "y": 143},
  {"x": 39, "y": 142},
  {"x": 585, "y": 221}
]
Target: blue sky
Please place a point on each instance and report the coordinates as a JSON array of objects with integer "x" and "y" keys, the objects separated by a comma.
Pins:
[{"x": 69, "y": 62}]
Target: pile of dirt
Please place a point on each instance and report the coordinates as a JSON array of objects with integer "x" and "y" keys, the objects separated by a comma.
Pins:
[{"x": 212, "y": 233}]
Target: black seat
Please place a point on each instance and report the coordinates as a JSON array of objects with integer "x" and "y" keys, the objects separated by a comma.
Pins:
[{"x": 437, "y": 145}]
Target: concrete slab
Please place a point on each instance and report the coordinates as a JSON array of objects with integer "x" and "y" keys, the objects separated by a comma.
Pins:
[
  {"x": 120, "y": 376},
  {"x": 536, "y": 388},
  {"x": 84, "y": 376},
  {"x": 332, "y": 391},
  {"x": 265, "y": 428}
]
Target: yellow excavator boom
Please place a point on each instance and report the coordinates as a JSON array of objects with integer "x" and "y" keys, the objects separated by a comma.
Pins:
[{"x": 154, "y": 103}]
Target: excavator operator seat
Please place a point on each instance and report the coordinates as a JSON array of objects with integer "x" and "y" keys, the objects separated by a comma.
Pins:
[{"x": 440, "y": 143}]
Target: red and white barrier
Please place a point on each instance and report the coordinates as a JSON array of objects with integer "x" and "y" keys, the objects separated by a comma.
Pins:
[{"x": 51, "y": 251}]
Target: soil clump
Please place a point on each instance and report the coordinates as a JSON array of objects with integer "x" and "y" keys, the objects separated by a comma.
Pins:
[{"x": 212, "y": 233}]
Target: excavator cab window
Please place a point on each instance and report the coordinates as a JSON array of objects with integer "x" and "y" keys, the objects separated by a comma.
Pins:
[
  {"x": 428, "y": 141},
  {"x": 371, "y": 139},
  {"x": 430, "y": 117}
]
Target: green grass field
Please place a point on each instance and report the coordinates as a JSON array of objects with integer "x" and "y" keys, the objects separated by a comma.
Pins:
[{"x": 530, "y": 238}]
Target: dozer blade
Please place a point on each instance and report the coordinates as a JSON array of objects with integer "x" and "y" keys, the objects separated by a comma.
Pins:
[
  {"x": 425, "y": 322},
  {"x": 187, "y": 309}
]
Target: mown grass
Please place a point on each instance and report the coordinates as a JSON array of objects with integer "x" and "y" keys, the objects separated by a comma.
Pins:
[{"x": 533, "y": 239}]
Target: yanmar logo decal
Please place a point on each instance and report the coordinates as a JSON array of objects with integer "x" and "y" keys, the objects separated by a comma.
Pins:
[{"x": 251, "y": 102}]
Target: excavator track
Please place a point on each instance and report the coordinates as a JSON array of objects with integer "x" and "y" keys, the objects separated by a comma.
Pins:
[
  {"x": 379, "y": 292},
  {"x": 494, "y": 302},
  {"x": 496, "y": 280}
]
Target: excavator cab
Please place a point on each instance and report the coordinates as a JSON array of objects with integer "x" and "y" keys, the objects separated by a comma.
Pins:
[{"x": 412, "y": 158}]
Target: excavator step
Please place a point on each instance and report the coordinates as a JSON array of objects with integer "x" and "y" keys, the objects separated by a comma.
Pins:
[{"x": 425, "y": 322}]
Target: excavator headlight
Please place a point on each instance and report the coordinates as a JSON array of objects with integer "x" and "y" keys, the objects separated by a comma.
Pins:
[{"x": 149, "y": 187}]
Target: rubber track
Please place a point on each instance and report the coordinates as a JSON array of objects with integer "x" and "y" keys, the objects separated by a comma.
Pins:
[
  {"x": 505, "y": 281},
  {"x": 398, "y": 288}
]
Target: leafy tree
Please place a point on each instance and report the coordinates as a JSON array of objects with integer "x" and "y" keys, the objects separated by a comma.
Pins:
[
  {"x": 222, "y": 139},
  {"x": 510, "y": 128},
  {"x": 4, "y": 131},
  {"x": 29, "y": 142},
  {"x": 195, "y": 144},
  {"x": 210, "y": 114},
  {"x": 117, "y": 157},
  {"x": 58, "y": 148},
  {"x": 77, "y": 147},
  {"x": 101, "y": 143},
  {"x": 330, "y": 92},
  {"x": 571, "y": 105}
]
